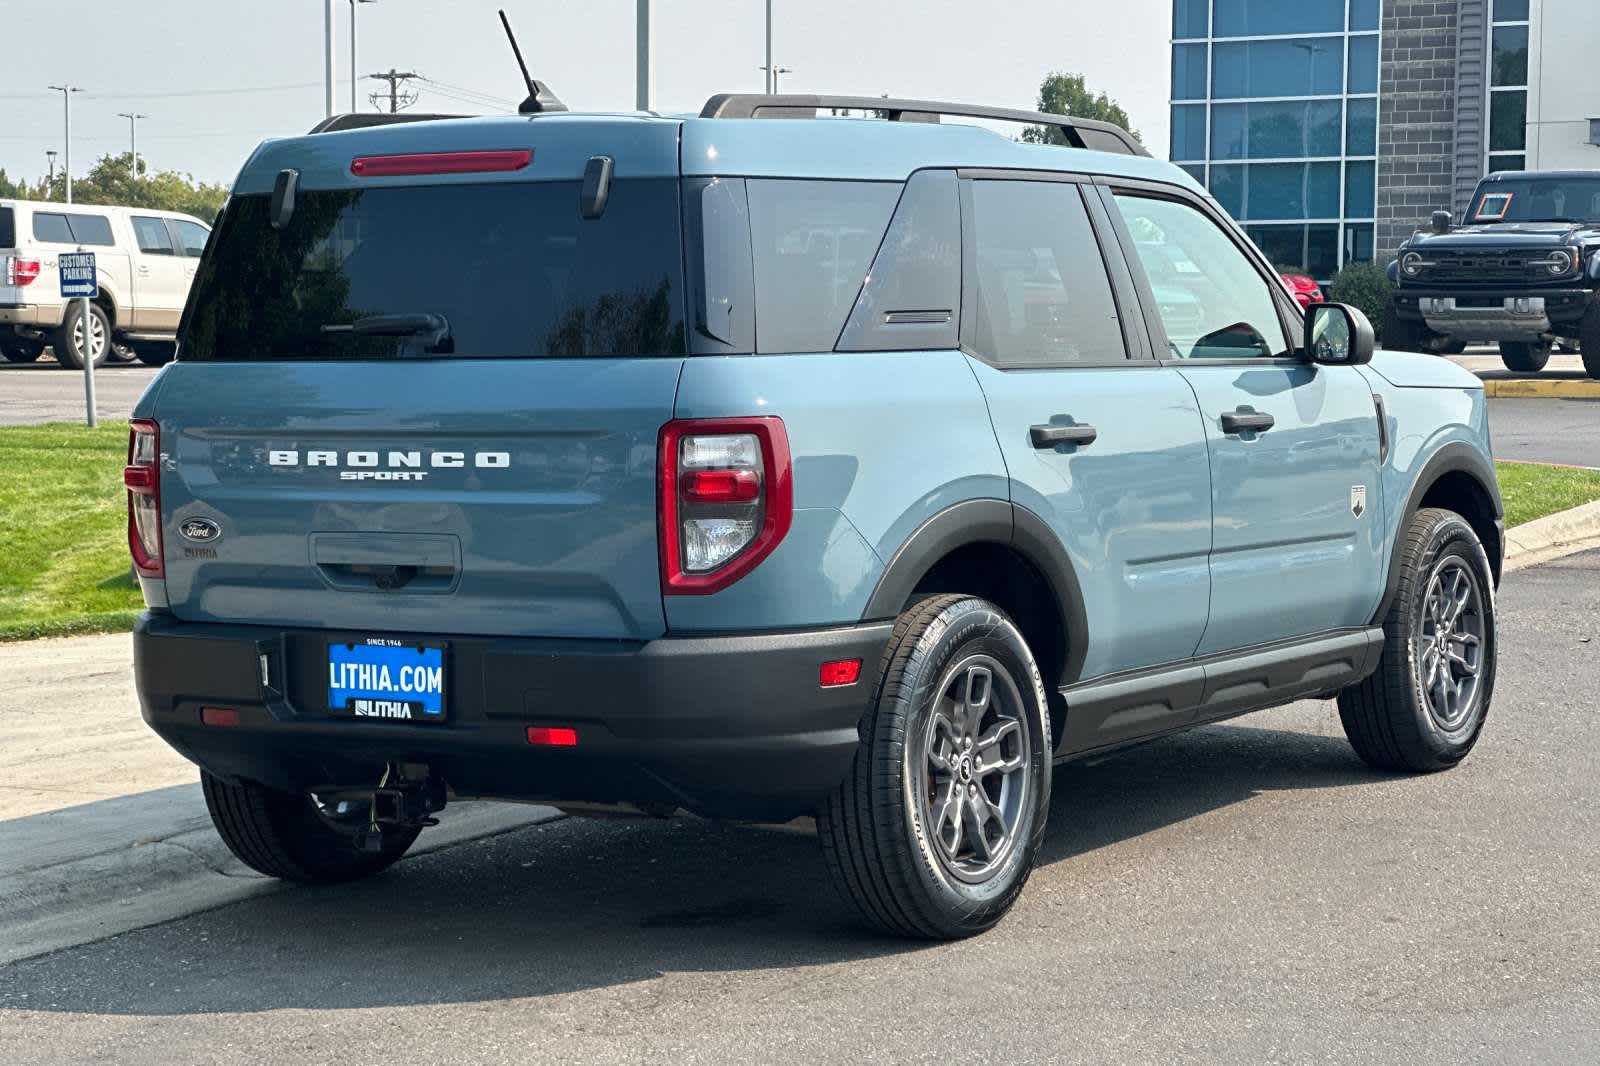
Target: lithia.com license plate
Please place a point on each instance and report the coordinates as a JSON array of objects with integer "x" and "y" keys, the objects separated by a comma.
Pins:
[{"x": 385, "y": 678}]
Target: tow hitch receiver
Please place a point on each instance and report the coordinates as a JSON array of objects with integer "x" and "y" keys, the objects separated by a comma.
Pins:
[{"x": 398, "y": 803}]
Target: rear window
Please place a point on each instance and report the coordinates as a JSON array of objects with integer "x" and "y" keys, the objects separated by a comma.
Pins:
[
  {"x": 55, "y": 227},
  {"x": 472, "y": 271},
  {"x": 8, "y": 228}
]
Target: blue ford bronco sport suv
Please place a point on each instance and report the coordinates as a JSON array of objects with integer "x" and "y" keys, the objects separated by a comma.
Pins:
[{"x": 865, "y": 469}]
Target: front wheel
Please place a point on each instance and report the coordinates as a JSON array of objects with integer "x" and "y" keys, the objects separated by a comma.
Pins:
[
  {"x": 154, "y": 353},
  {"x": 291, "y": 837},
  {"x": 1424, "y": 707},
  {"x": 1523, "y": 357},
  {"x": 1589, "y": 338},
  {"x": 935, "y": 830},
  {"x": 1401, "y": 334}
]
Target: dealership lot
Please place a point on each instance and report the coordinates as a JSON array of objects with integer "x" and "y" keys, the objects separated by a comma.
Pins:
[{"x": 1249, "y": 890}]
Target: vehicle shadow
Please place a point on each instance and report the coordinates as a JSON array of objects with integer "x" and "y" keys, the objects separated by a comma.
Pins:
[{"x": 576, "y": 905}]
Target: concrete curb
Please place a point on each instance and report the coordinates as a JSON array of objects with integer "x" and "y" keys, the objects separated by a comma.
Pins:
[
  {"x": 1541, "y": 388},
  {"x": 63, "y": 882},
  {"x": 1553, "y": 536}
]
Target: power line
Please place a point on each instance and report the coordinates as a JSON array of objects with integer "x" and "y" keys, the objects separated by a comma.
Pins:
[
  {"x": 172, "y": 94},
  {"x": 447, "y": 89}
]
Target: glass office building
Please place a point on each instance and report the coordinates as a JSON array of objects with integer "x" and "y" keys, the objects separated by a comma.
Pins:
[{"x": 1275, "y": 110}]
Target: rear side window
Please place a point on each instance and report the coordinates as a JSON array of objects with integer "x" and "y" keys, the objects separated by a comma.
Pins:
[
  {"x": 1037, "y": 288},
  {"x": 60, "y": 228},
  {"x": 152, "y": 236},
  {"x": 812, "y": 242},
  {"x": 473, "y": 270},
  {"x": 8, "y": 228}
]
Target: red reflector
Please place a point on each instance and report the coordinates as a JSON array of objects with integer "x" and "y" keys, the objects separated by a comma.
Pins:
[
  {"x": 552, "y": 736},
  {"x": 396, "y": 166},
  {"x": 224, "y": 716},
  {"x": 139, "y": 478},
  {"x": 721, "y": 486},
  {"x": 839, "y": 673}
]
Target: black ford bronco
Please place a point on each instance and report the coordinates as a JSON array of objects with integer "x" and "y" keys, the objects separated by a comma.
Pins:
[{"x": 1522, "y": 270}]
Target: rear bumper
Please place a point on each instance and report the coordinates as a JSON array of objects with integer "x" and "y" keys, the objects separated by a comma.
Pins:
[
  {"x": 732, "y": 726},
  {"x": 33, "y": 316}
]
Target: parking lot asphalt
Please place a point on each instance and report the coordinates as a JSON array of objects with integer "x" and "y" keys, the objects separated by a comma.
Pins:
[
  {"x": 1546, "y": 431},
  {"x": 1248, "y": 892},
  {"x": 31, "y": 393}
]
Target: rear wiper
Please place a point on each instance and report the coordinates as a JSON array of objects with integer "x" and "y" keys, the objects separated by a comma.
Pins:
[{"x": 434, "y": 328}]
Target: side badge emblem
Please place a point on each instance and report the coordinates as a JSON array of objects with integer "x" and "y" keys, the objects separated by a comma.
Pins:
[
  {"x": 200, "y": 530},
  {"x": 1358, "y": 500}
]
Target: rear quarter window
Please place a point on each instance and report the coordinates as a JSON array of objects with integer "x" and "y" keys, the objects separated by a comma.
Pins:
[
  {"x": 56, "y": 227},
  {"x": 512, "y": 269}
]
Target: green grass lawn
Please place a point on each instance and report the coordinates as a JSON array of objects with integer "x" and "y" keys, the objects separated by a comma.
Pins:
[
  {"x": 63, "y": 528},
  {"x": 63, "y": 524}
]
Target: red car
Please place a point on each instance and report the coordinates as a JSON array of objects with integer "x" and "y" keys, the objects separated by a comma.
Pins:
[{"x": 1305, "y": 290}]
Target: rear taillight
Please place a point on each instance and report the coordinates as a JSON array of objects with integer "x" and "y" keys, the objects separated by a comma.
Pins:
[
  {"x": 20, "y": 271},
  {"x": 142, "y": 478},
  {"x": 726, "y": 500}
]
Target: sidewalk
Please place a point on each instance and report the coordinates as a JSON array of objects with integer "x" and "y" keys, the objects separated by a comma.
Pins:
[{"x": 102, "y": 826}]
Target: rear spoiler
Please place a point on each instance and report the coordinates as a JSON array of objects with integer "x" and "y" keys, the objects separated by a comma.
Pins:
[{"x": 362, "y": 120}]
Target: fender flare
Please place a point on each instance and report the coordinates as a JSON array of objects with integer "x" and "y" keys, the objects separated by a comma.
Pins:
[
  {"x": 989, "y": 521},
  {"x": 1454, "y": 457}
]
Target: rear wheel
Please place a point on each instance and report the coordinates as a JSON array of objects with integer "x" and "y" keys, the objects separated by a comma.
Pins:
[
  {"x": 1523, "y": 357},
  {"x": 1425, "y": 706},
  {"x": 290, "y": 837},
  {"x": 935, "y": 831},
  {"x": 69, "y": 342},
  {"x": 1401, "y": 334},
  {"x": 1589, "y": 338}
]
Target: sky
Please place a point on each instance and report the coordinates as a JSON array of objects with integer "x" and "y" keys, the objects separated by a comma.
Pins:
[{"x": 188, "y": 63}]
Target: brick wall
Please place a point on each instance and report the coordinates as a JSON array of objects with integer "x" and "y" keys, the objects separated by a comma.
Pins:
[{"x": 1416, "y": 117}]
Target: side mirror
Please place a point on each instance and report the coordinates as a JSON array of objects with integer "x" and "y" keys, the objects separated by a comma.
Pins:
[
  {"x": 1338, "y": 335},
  {"x": 1441, "y": 221}
]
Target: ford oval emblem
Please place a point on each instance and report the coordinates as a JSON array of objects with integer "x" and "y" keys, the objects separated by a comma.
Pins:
[{"x": 200, "y": 530}]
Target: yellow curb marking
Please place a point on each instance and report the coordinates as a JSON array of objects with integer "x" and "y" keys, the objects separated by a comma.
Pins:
[{"x": 1533, "y": 389}]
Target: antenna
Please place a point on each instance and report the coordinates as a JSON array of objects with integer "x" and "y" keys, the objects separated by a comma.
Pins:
[{"x": 540, "y": 98}]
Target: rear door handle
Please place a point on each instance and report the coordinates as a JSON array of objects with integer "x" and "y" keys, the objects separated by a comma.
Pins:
[
  {"x": 1246, "y": 422},
  {"x": 1051, "y": 435}
]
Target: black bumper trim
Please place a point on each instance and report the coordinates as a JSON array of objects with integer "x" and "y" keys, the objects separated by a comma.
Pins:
[{"x": 735, "y": 726}]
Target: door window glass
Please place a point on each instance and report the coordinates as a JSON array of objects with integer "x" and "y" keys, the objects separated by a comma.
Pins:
[
  {"x": 193, "y": 235},
  {"x": 1212, "y": 300},
  {"x": 51, "y": 228},
  {"x": 152, "y": 235},
  {"x": 1037, "y": 286}
]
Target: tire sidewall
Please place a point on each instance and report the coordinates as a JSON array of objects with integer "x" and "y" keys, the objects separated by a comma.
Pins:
[
  {"x": 963, "y": 629},
  {"x": 1450, "y": 538},
  {"x": 66, "y": 352}
]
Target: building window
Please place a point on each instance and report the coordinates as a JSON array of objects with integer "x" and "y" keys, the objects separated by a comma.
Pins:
[
  {"x": 1508, "y": 86},
  {"x": 1275, "y": 110}
]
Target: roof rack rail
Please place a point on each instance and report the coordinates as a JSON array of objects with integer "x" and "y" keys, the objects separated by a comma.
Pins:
[
  {"x": 360, "y": 120},
  {"x": 1077, "y": 132}
]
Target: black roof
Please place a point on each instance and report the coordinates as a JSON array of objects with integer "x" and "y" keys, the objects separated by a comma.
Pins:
[{"x": 1508, "y": 175}]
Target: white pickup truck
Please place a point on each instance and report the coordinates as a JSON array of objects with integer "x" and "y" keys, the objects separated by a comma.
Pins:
[{"x": 146, "y": 262}]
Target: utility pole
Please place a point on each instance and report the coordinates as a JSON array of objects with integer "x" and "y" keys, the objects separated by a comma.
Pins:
[
  {"x": 133, "y": 137},
  {"x": 644, "y": 75},
  {"x": 353, "y": 78},
  {"x": 396, "y": 78},
  {"x": 66, "y": 92},
  {"x": 327, "y": 56},
  {"x": 772, "y": 79}
]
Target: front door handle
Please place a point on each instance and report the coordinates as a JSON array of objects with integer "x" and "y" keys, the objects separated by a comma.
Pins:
[
  {"x": 1246, "y": 422},
  {"x": 1051, "y": 435}
]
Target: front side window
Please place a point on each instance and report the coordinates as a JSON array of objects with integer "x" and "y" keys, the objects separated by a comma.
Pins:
[
  {"x": 1036, "y": 283},
  {"x": 812, "y": 243},
  {"x": 152, "y": 236},
  {"x": 1213, "y": 302},
  {"x": 493, "y": 270}
]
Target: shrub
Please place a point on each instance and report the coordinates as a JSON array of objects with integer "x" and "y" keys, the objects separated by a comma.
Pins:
[{"x": 1366, "y": 286}]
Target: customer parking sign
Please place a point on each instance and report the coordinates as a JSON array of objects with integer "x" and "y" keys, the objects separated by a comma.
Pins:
[{"x": 77, "y": 275}]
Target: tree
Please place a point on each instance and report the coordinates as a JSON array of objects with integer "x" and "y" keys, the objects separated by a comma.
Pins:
[
  {"x": 1067, "y": 94},
  {"x": 111, "y": 181}
]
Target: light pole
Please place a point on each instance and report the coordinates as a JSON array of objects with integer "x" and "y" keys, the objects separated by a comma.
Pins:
[
  {"x": 133, "y": 118},
  {"x": 644, "y": 75},
  {"x": 353, "y": 68},
  {"x": 327, "y": 57},
  {"x": 772, "y": 79},
  {"x": 50, "y": 154},
  {"x": 66, "y": 92}
]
